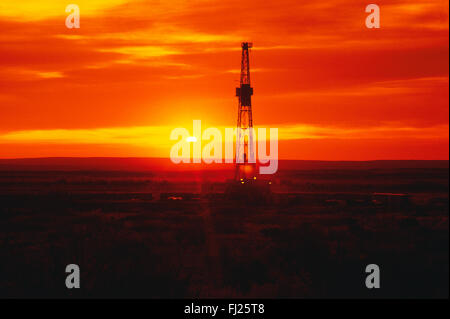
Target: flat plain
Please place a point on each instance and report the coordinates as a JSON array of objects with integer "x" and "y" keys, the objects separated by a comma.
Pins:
[{"x": 156, "y": 233}]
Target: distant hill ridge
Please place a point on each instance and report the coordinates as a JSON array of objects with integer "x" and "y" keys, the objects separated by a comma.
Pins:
[{"x": 148, "y": 164}]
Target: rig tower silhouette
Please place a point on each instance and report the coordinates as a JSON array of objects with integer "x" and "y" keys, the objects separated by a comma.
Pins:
[
  {"x": 245, "y": 142},
  {"x": 246, "y": 186}
]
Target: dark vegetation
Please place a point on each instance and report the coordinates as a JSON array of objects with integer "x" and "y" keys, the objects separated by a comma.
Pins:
[{"x": 144, "y": 235}]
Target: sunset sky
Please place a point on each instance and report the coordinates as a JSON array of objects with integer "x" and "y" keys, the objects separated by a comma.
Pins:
[{"x": 137, "y": 69}]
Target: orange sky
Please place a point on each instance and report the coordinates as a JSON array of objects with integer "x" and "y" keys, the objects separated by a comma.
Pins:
[{"x": 136, "y": 69}]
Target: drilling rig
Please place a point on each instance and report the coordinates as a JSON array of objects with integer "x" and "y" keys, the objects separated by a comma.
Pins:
[
  {"x": 246, "y": 186},
  {"x": 245, "y": 140}
]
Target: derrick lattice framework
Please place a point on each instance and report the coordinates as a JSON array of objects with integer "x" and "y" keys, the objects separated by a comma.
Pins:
[{"x": 245, "y": 143}]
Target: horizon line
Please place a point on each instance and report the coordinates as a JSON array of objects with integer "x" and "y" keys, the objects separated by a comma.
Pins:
[{"x": 166, "y": 158}]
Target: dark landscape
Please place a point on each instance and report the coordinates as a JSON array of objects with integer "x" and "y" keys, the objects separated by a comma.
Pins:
[{"x": 141, "y": 228}]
